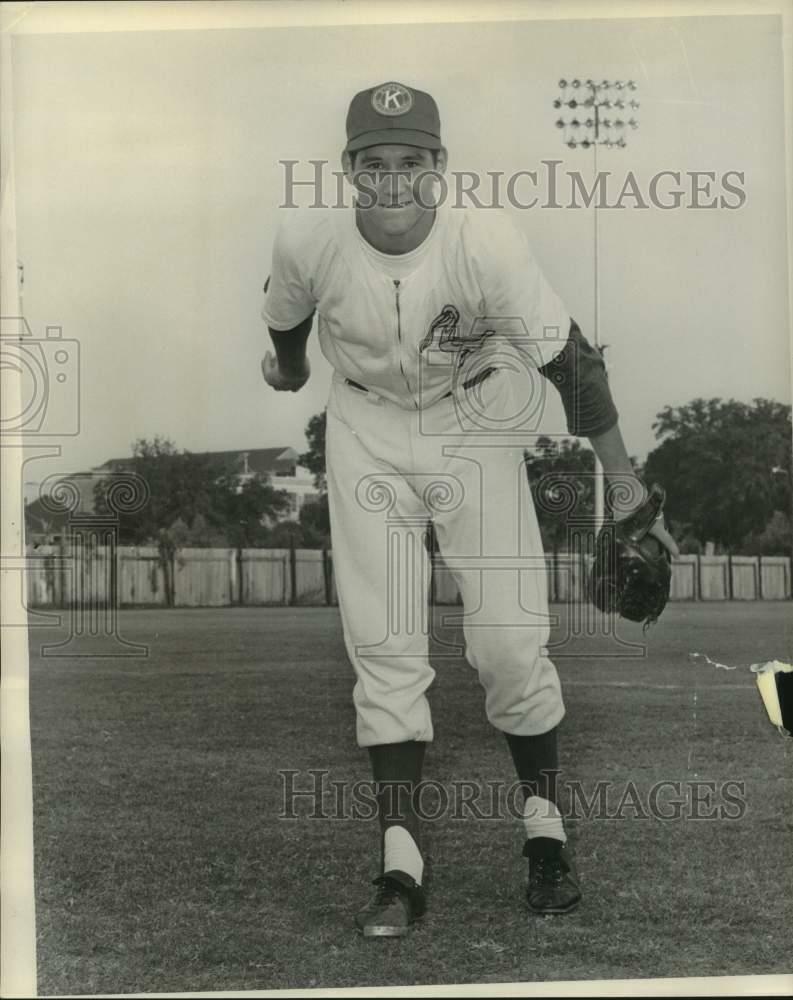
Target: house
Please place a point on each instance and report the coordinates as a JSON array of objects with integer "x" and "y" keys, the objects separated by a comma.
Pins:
[
  {"x": 47, "y": 516},
  {"x": 44, "y": 526},
  {"x": 279, "y": 465}
]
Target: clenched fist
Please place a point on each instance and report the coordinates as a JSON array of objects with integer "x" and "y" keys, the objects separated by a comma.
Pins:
[{"x": 284, "y": 381}]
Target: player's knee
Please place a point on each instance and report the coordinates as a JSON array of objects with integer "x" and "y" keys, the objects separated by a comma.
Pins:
[
  {"x": 524, "y": 711},
  {"x": 504, "y": 652},
  {"x": 520, "y": 682}
]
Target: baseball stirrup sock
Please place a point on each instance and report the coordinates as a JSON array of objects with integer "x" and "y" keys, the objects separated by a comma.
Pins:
[
  {"x": 401, "y": 853},
  {"x": 541, "y": 818},
  {"x": 536, "y": 760},
  {"x": 396, "y": 769}
]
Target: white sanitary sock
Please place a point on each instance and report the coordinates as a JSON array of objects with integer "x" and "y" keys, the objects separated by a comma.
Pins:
[
  {"x": 401, "y": 852},
  {"x": 541, "y": 818}
]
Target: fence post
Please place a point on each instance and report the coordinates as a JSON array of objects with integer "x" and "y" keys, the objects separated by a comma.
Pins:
[
  {"x": 729, "y": 577},
  {"x": 240, "y": 583},
  {"x": 292, "y": 571},
  {"x": 65, "y": 591},
  {"x": 168, "y": 562},
  {"x": 168, "y": 571}
]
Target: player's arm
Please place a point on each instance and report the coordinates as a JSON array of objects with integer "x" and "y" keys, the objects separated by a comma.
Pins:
[
  {"x": 579, "y": 374},
  {"x": 610, "y": 449},
  {"x": 288, "y": 310},
  {"x": 288, "y": 370}
]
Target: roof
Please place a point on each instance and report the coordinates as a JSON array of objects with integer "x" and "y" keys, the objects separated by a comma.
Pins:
[
  {"x": 259, "y": 460},
  {"x": 40, "y": 520},
  {"x": 72, "y": 494}
]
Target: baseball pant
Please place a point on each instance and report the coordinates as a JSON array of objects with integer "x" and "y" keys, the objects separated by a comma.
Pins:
[{"x": 390, "y": 469}]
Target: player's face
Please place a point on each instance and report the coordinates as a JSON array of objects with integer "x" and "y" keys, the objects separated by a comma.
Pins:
[{"x": 395, "y": 185}]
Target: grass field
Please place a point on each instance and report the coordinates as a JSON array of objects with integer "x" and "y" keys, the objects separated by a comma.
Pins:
[{"x": 162, "y": 864}]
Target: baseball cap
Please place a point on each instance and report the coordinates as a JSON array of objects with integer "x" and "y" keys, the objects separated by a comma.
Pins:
[{"x": 393, "y": 113}]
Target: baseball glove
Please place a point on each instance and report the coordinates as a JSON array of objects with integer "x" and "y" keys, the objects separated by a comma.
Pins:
[{"x": 632, "y": 570}]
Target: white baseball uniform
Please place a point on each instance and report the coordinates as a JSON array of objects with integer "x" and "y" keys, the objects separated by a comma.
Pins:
[{"x": 417, "y": 429}]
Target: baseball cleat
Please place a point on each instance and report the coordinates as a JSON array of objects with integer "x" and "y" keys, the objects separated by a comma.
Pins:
[
  {"x": 398, "y": 902},
  {"x": 552, "y": 887}
]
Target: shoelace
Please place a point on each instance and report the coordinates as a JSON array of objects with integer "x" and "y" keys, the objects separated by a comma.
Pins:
[
  {"x": 387, "y": 890},
  {"x": 547, "y": 870}
]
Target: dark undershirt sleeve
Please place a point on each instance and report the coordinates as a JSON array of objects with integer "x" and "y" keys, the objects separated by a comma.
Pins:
[
  {"x": 290, "y": 345},
  {"x": 579, "y": 374}
]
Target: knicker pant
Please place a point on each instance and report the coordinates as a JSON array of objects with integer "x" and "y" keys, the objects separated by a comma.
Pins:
[{"x": 389, "y": 470}]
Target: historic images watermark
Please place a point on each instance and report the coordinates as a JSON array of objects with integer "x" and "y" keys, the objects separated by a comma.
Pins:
[
  {"x": 314, "y": 184},
  {"x": 314, "y": 794}
]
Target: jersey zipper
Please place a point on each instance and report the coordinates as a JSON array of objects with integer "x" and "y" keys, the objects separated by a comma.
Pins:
[{"x": 399, "y": 339}]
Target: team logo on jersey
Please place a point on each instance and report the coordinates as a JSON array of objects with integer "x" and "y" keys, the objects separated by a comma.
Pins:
[
  {"x": 392, "y": 99},
  {"x": 445, "y": 335},
  {"x": 446, "y": 326}
]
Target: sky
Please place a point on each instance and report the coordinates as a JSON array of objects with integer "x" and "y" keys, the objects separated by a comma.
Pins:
[{"x": 148, "y": 184}]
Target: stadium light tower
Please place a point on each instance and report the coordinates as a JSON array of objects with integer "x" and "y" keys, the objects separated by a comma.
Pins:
[{"x": 603, "y": 114}]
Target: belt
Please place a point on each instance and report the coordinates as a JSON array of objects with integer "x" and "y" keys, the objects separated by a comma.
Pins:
[{"x": 469, "y": 384}]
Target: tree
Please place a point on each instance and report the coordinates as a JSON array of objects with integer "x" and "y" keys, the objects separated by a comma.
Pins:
[
  {"x": 773, "y": 540},
  {"x": 315, "y": 521},
  {"x": 314, "y": 458},
  {"x": 45, "y": 519},
  {"x": 286, "y": 534},
  {"x": 561, "y": 476},
  {"x": 243, "y": 510},
  {"x": 192, "y": 499},
  {"x": 726, "y": 466},
  {"x": 314, "y": 514}
]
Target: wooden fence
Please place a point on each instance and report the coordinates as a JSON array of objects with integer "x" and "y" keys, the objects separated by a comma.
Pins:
[{"x": 139, "y": 577}]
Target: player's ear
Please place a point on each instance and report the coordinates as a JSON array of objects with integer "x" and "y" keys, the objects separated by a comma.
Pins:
[
  {"x": 441, "y": 160},
  {"x": 347, "y": 165}
]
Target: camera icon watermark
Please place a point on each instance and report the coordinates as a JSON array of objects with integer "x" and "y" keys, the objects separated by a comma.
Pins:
[
  {"x": 494, "y": 377},
  {"x": 48, "y": 369}
]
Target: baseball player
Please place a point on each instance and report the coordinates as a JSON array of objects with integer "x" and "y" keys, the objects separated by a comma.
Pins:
[{"x": 442, "y": 331}]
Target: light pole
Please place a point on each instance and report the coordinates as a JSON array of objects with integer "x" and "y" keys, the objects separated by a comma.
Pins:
[{"x": 607, "y": 114}]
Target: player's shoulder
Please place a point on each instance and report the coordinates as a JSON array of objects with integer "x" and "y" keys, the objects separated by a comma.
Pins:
[
  {"x": 485, "y": 239},
  {"x": 484, "y": 233},
  {"x": 485, "y": 225}
]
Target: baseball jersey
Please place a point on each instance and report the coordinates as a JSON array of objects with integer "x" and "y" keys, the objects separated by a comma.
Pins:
[{"x": 406, "y": 325}]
